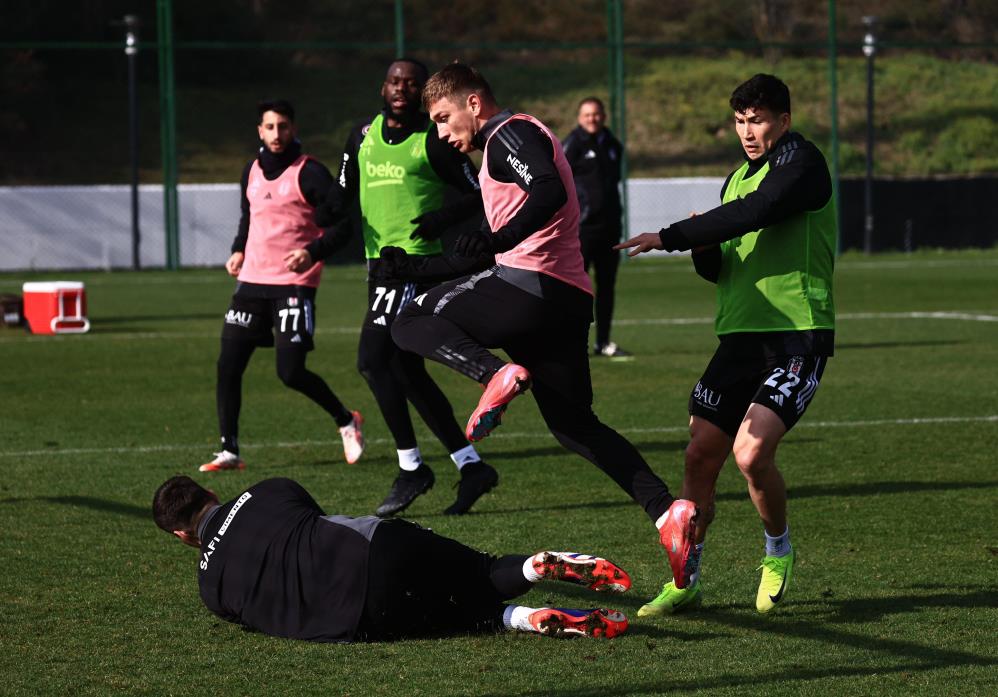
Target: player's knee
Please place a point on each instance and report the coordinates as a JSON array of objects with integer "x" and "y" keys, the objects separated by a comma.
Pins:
[
  {"x": 701, "y": 460},
  {"x": 751, "y": 457}
]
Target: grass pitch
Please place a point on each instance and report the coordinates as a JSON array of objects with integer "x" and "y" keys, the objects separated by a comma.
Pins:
[{"x": 892, "y": 478}]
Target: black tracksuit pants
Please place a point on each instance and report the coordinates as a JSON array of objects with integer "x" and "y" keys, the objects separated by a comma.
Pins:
[
  {"x": 598, "y": 253},
  {"x": 423, "y": 584},
  {"x": 456, "y": 322}
]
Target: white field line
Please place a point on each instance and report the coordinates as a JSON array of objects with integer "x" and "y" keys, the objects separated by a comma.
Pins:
[
  {"x": 133, "y": 336},
  {"x": 514, "y": 435}
]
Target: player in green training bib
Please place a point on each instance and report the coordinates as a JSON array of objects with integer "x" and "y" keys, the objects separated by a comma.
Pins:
[
  {"x": 770, "y": 248},
  {"x": 398, "y": 169}
]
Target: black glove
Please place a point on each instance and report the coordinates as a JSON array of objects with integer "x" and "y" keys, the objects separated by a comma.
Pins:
[
  {"x": 392, "y": 263},
  {"x": 473, "y": 243},
  {"x": 430, "y": 225}
]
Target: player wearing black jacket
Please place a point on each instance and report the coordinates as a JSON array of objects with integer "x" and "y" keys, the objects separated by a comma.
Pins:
[
  {"x": 595, "y": 156},
  {"x": 770, "y": 248},
  {"x": 272, "y": 560},
  {"x": 397, "y": 168},
  {"x": 282, "y": 284}
]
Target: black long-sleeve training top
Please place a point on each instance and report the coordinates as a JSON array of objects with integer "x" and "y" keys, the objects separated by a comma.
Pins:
[
  {"x": 271, "y": 560},
  {"x": 595, "y": 162}
]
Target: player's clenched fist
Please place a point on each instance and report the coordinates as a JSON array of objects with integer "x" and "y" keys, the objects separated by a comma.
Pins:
[{"x": 235, "y": 263}]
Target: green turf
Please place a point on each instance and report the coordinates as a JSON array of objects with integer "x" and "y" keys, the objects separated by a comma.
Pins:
[{"x": 895, "y": 520}]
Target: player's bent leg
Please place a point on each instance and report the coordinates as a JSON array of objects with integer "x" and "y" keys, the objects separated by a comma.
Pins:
[
  {"x": 704, "y": 458},
  {"x": 755, "y": 454}
]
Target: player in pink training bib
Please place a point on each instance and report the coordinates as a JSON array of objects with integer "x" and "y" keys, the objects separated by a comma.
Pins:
[
  {"x": 528, "y": 295},
  {"x": 277, "y": 257}
]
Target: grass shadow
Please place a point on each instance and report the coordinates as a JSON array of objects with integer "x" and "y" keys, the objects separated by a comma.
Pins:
[
  {"x": 910, "y": 656},
  {"x": 896, "y": 344},
  {"x": 102, "y": 505}
]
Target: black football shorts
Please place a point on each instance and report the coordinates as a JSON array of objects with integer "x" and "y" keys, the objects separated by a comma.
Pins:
[
  {"x": 785, "y": 384},
  {"x": 285, "y": 321},
  {"x": 386, "y": 300}
]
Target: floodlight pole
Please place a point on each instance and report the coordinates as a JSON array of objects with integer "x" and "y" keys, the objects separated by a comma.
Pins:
[
  {"x": 132, "y": 24},
  {"x": 870, "y": 51}
]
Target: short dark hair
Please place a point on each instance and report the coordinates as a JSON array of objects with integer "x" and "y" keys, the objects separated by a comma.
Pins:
[
  {"x": 455, "y": 82},
  {"x": 279, "y": 106},
  {"x": 177, "y": 502},
  {"x": 592, "y": 100},
  {"x": 762, "y": 90},
  {"x": 424, "y": 72}
]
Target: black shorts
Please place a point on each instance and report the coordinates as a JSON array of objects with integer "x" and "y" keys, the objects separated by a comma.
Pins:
[
  {"x": 290, "y": 318},
  {"x": 785, "y": 384},
  {"x": 386, "y": 300}
]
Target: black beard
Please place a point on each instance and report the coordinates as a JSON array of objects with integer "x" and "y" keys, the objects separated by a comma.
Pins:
[{"x": 406, "y": 116}]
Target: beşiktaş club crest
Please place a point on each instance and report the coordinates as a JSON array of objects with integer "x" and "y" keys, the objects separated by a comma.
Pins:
[
  {"x": 292, "y": 302},
  {"x": 796, "y": 363}
]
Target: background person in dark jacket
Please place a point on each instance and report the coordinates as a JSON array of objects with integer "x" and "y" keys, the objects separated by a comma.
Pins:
[
  {"x": 272, "y": 560},
  {"x": 594, "y": 155}
]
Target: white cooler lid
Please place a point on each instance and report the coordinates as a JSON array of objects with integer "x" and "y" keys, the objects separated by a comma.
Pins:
[{"x": 50, "y": 286}]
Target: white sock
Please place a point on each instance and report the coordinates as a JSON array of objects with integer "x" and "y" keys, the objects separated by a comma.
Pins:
[
  {"x": 528, "y": 569},
  {"x": 778, "y": 546},
  {"x": 515, "y": 617},
  {"x": 465, "y": 456},
  {"x": 410, "y": 459}
]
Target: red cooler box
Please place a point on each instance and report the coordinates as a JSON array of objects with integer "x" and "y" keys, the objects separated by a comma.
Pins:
[{"x": 56, "y": 307}]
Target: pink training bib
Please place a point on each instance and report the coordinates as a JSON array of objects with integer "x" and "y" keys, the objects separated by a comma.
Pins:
[
  {"x": 281, "y": 221},
  {"x": 555, "y": 249}
]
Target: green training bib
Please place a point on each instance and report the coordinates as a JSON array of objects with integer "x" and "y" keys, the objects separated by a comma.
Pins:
[
  {"x": 778, "y": 278},
  {"x": 397, "y": 184}
]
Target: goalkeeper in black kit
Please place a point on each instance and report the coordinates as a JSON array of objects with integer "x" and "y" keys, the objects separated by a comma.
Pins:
[{"x": 273, "y": 561}]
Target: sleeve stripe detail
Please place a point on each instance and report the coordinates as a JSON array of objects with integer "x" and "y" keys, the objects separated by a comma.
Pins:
[{"x": 505, "y": 141}]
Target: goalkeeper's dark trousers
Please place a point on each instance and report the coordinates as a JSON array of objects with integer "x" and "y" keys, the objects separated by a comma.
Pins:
[
  {"x": 232, "y": 362},
  {"x": 457, "y": 322},
  {"x": 423, "y": 584}
]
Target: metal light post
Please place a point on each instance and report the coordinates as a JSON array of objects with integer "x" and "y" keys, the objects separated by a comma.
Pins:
[
  {"x": 132, "y": 24},
  {"x": 869, "y": 50}
]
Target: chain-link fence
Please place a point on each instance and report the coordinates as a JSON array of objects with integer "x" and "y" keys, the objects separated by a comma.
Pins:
[{"x": 665, "y": 70}]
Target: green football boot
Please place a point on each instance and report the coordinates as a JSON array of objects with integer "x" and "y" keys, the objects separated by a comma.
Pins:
[
  {"x": 776, "y": 573},
  {"x": 672, "y": 600}
]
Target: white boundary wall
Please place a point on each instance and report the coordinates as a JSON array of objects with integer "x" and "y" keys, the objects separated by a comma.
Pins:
[{"x": 89, "y": 227}]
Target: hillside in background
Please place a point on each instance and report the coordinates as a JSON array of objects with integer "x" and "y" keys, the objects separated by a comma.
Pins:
[{"x": 64, "y": 112}]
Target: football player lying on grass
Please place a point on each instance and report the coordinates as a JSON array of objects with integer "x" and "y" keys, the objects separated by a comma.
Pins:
[{"x": 273, "y": 561}]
